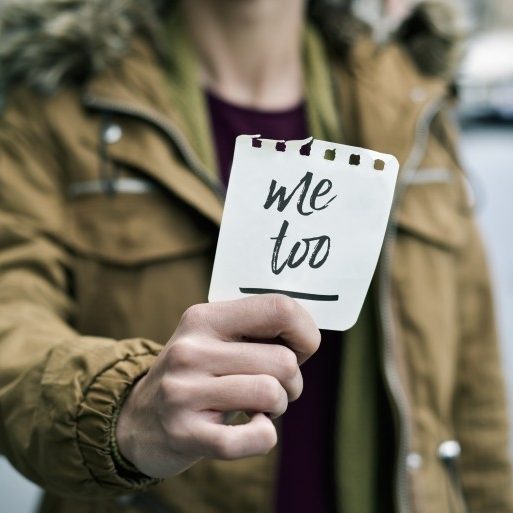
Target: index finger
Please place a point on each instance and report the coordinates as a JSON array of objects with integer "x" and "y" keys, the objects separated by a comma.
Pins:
[{"x": 267, "y": 316}]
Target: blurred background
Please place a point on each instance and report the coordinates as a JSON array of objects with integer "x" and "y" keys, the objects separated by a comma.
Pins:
[{"x": 485, "y": 111}]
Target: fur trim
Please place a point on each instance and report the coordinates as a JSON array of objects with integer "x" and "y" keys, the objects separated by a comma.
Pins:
[
  {"x": 50, "y": 43},
  {"x": 337, "y": 24},
  {"x": 433, "y": 35}
]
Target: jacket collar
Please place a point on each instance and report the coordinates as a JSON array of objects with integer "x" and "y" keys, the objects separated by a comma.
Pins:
[
  {"x": 169, "y": 99},
  {"x": 384, "y": 98},
  {"x": 379, "y": 96},
  {"x": 135, "y": 92}
]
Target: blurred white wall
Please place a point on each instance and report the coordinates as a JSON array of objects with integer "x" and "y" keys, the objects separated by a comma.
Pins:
[
  {"x": 491, "y": 14},
  {"x": 17, "y": 495}
]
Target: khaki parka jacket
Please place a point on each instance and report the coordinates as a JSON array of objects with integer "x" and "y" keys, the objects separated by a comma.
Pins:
[{"x": 109, "y": 213}]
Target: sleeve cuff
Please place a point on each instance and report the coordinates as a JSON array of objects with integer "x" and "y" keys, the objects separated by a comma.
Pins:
[{"x": 96, "y": 421}]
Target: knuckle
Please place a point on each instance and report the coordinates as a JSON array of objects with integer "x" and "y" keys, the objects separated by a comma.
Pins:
[
  {"x": 222, "y": 448},
  {"x": 316, "y": 339},
  {"x": 269, "y": 391},
  {"x": 174, "y": 432},
  {"x": 288, "y": 363},
  {"x": 269, "y": 437},
  {"x": 283, "y": 307},
  {"x": 312, "y": 341},
  {"x": 183, "y": 353},
  {"x": 175, "y": 391},
  {"x": 195, "y": 315},
  {"x": 181, "y": 436},
  {"x": 298, "y": 388}
]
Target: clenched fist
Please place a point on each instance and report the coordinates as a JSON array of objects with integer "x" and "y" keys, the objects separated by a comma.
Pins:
[{"x": 218, "y": 361}]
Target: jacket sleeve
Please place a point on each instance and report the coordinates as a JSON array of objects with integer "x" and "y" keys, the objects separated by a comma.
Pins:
[
  {"x": 58, "y": 389},
  {"x": 480, "y": 405}
]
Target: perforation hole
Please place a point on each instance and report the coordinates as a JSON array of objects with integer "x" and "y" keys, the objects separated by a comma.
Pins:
[
  {"x": 379, "y": 165},
  {"x": 354, "y": 160},
  {"x": 330, "y": 154},
  {"x": 256, "y": 143},
  {"x": 281, "y": 146},
  {"x": 306, "y": 149}
]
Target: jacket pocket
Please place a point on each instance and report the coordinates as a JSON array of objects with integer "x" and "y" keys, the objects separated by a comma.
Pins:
[
  {"x": 431, "y": 237},
  {"x": 433, "y": 208},
  {"x": 136, "y": 222},
  {"x": 141, "y": 258}
]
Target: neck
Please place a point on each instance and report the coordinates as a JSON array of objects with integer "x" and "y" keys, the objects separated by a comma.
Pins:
[{"x": 250, "y": 50}]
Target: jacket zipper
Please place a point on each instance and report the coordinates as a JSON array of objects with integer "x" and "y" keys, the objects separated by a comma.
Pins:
[
  {"x": 169, "y": 129},
  {"x": 391, "y": 373}
]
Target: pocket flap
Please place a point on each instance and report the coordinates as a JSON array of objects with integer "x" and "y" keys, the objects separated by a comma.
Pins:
[
  {"x": 434, "y": 211},
  {"x": 135, "y": 228}
]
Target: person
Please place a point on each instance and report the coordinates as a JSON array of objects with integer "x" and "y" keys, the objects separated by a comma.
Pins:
[{"x": 119, "y": 386}]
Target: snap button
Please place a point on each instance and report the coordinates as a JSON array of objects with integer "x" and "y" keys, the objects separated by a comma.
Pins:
[
  {"x": 418, "y": 95},
  {"x": 112, "y": 134},
  {"x": 414, "y": 461},
  {"x": 449, "y": 450}
]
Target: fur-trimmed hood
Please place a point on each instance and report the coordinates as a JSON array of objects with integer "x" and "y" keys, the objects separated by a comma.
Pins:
[{"x": 48, "y": 43}]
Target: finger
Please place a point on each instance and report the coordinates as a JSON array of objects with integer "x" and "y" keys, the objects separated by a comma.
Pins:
[
  {"x": 260, "y": 317},
  {"x": 222, "y": 359},
  {"x": 262, "y": 394},
  {"x": 255, "y": 438}
]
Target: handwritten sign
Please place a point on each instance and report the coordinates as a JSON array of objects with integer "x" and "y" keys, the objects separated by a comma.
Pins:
[{"x": 305, "y": 219}]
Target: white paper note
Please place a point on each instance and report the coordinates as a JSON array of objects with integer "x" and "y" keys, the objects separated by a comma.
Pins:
[{"x": 308, "y": 226}]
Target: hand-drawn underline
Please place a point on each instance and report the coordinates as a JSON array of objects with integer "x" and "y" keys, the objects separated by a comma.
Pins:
[{"x": 290, "y": 293}]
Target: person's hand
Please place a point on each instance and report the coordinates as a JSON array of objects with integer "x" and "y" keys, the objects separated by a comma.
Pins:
[{"x": 212, "y": 366}]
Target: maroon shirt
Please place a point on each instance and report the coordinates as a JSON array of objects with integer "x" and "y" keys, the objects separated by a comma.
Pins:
[{"x": 306, "y": 477}]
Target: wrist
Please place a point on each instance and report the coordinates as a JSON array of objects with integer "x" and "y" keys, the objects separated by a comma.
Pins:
[
  {"x": 121, "y": 462},
  {"x": 97, "y": 412},
  {"x": 122, "y": 439}
]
